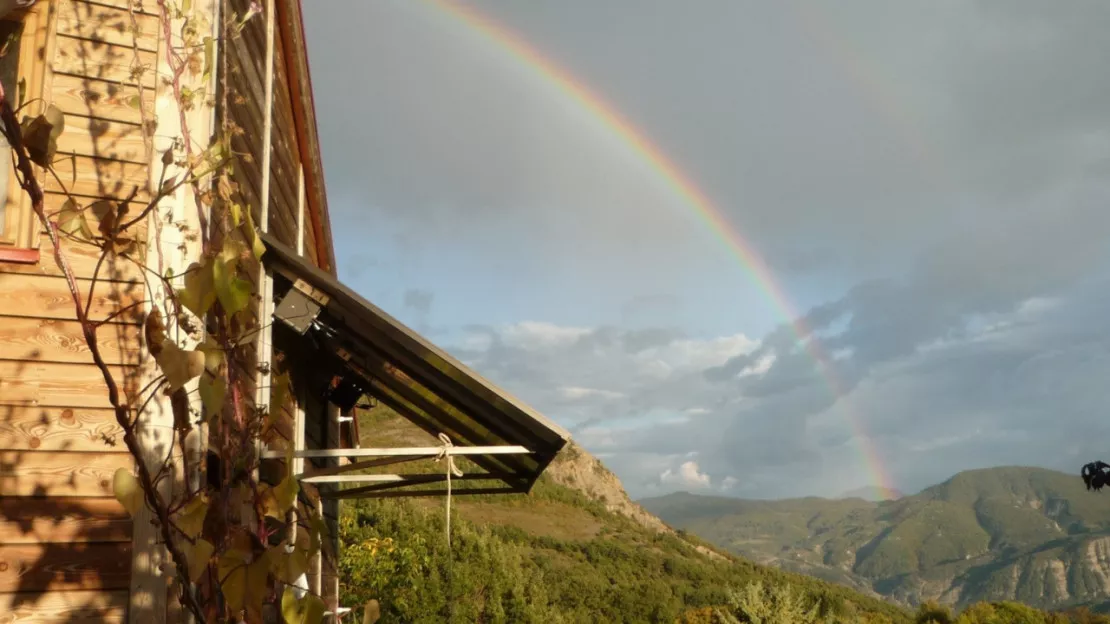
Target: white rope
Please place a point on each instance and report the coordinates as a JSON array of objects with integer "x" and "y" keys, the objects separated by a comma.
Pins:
[{"x": 445, "y": 453}]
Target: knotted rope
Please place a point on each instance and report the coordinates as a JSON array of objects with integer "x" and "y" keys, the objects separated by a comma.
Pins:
[{"x": 445, "y": 454}]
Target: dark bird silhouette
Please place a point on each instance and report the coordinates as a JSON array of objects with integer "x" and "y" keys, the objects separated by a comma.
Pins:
[{"x": 1096, "y": 474}]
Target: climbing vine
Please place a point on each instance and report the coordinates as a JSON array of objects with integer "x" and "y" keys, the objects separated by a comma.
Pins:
[{"x": 230, "y": 535}]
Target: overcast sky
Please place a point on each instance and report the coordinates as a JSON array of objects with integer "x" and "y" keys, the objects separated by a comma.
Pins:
[{"x": 927, "y": 181}]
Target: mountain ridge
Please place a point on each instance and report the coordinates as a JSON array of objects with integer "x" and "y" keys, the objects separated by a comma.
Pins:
[{"x": 1004, "y": 533}]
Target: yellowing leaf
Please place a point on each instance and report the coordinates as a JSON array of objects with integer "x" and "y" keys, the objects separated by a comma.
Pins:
[
  {"x": 197, "y": 556},
  {"x": 234, "y": 293},
  {"x": 372, "y": 612},
  {"x": 287, "y": 567},
  {"x": 279, "y": 392},
  {"x": 191, "y": 517},
  {"x": 213, "y": 391},
  {"x": 285, "y": 494},
  {"x": 236, "y": 214},
  {"x": 71, "y": 220},
  {"x": 268, "y": 502},
  {"x": 213, "y": 355},
  {"x": 179, "y": 365},
  {"x": 257, "y": 248},
  {"x": 127, "y": 490},
  {"x": 199, "y": 293},
  {"x": 243, "y": 581},
  {"x": 307, "y": 610}
]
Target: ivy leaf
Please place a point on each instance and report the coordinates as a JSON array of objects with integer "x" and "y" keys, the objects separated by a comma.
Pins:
[
  {"x": 197, "y": 555},
  {"x": 127, "y": 490},
  {"x": 213, "y": 355},
  {"x": 71, "y": 220},
  {"x": 269, "y": 502},
  {"x": 135, "y": 102},
  {"x": 252, "y": 236},
  {"x": 318, "y": 530},
  {"x": 279, "y": 392},
  {"x": 285, "y": 494},
  {"x": 213, "y": 391},
  {"x": 199, "y": 293},
  {"x": 307, "y": 610},
  {"x": 244, "y": 580},
  {"x": 40, "y": 135},
  {"x": 191, "y": 517},
  {"x": 233, "y": 292},
  {"x": 288, "y": 567},
  {"x": 180, "y": 366}
]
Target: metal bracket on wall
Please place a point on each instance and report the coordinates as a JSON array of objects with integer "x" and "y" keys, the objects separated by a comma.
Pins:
[{"x": 300, "y": 306}]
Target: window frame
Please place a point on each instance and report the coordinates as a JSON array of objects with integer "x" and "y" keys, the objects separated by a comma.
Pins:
[{"x": 20, "y": 232}]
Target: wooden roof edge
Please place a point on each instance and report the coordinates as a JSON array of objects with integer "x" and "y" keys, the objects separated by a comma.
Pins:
[
  {"x": 278, "y": 252},
  {"x": 290, "y": 25}
]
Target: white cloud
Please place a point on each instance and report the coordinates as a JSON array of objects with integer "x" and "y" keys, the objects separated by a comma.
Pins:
[
  {"x": 578, "y": 392},
  {"x": 539, "y": 335},
  {"x": 688, "y": 475}
]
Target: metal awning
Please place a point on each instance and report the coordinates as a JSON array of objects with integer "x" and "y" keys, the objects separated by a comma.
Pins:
[{"x": 382, "y": 358}]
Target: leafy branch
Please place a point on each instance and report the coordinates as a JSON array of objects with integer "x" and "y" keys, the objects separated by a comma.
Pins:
[{"x": 230, "y": 537}]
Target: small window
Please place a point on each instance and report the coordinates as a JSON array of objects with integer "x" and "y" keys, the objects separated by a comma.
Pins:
[{"x": 23, "y": 38}]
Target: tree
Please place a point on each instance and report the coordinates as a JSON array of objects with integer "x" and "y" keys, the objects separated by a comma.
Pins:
[{"x": 231, "y": 539}]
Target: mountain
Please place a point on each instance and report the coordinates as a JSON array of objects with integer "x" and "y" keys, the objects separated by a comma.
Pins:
[
  {"x": 873, "y": 494},
  {"x": 576, "y": 549},
  {"x": 1014, "y": 533}
]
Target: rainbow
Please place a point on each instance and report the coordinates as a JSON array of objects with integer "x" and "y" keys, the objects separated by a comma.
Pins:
[{"x": 685, "y": 189}]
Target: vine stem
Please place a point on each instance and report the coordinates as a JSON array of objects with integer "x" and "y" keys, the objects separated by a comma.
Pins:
[{"x": 30, "y": 184}]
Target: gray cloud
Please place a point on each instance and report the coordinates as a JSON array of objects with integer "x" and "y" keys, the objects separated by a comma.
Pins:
[
  {"x": 418, "y": 300},
  {"x": 933, "y": 172}
]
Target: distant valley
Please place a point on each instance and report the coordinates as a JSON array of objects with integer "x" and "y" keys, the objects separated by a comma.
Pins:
[{"x": 1014, "y": 533}]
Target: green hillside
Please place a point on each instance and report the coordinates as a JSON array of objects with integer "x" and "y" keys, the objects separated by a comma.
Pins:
[
  {"x": 1027, "y": 534},
  {"x": 574, "y": 550}
]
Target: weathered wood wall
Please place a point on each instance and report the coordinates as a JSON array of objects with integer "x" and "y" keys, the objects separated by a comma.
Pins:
[{"x": 64, "y": 540}]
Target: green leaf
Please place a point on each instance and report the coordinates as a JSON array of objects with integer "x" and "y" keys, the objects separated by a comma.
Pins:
[
  {"x": 135, "y": 102},
  {"x": 255, "y": 240},
  {"x": 191, "y": 517},
  {"x": 209, "y": 56},
  {"x": 127, "y": 490},
  {"x": 233, "y": 292},
  {"x": 307, "y": 610},
  {"x": 236, "y": 214},
  {"x": 180, "y": 366},
  {"x": 197, "y": 555},
  {"x": 213, "y": 391}
]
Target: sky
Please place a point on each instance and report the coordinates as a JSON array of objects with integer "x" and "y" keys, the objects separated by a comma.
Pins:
[{"x": 926, "y": 183}]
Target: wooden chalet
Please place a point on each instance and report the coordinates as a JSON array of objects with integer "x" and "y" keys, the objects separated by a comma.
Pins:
[{"x": 68, "y": 551}]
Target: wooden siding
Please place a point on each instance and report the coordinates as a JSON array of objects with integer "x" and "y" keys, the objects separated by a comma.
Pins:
[{"x": 65, "y": 543}]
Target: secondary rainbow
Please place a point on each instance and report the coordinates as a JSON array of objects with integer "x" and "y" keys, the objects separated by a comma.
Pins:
[{"x": 683, "y": 187}]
